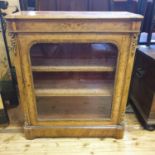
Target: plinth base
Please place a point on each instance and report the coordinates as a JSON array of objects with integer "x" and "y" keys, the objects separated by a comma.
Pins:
[{"x": 115, "y": 131}]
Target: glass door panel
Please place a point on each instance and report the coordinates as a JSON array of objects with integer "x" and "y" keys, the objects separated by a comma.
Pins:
[{"x": 73, "y": 81}]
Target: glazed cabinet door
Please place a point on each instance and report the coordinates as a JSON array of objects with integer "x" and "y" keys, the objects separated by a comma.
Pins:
[{"x": 74, "y": 82}]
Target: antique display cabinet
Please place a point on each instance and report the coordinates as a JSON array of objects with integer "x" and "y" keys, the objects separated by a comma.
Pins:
[{"x": 74, "y": 71}]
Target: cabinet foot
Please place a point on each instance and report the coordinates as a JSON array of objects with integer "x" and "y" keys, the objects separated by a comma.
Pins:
[{"x": 149, "y": 127}]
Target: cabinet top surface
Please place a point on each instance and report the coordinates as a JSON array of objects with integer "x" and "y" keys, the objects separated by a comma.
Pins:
[
  {"x": 73, "y": 15},
  {"x": 149, "y": 51}
]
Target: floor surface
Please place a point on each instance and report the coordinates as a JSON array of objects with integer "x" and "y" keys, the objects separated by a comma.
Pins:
[{"x": 136, "y": 141}]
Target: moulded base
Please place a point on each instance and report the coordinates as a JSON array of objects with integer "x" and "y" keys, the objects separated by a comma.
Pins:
[{"x": 114, "y": 131}]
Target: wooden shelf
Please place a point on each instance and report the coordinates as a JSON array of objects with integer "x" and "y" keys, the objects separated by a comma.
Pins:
[
  {"x": 74, "y": 88},
  {"x": 79, "y": 65},
  {"x": 73, "y": 68}
]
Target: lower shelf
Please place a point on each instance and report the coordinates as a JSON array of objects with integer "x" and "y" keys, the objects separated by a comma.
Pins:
[
  {"x": 74, "y": 107},
  {"x": 73, "y": 84}
]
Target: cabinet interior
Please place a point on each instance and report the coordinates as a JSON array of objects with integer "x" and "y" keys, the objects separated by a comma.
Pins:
[{"x": 73, "y": 80}]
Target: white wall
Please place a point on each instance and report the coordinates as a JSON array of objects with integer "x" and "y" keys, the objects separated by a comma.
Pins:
[{"x": 13, "y": 3}]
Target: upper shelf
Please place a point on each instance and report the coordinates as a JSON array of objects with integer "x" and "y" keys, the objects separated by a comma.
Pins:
[
  {"x": 72, "y": 68},
  {"x": 73, "y": 57},
  {"x": 73, "y": 15},
  {"x": 56, "y": 65}
]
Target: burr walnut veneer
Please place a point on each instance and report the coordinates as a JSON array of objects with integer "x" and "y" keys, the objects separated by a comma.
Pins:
[{"x": 74, "y": 70}]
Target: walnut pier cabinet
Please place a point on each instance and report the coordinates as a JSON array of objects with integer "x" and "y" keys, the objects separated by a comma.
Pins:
[{"x": 73, "y": 70}]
